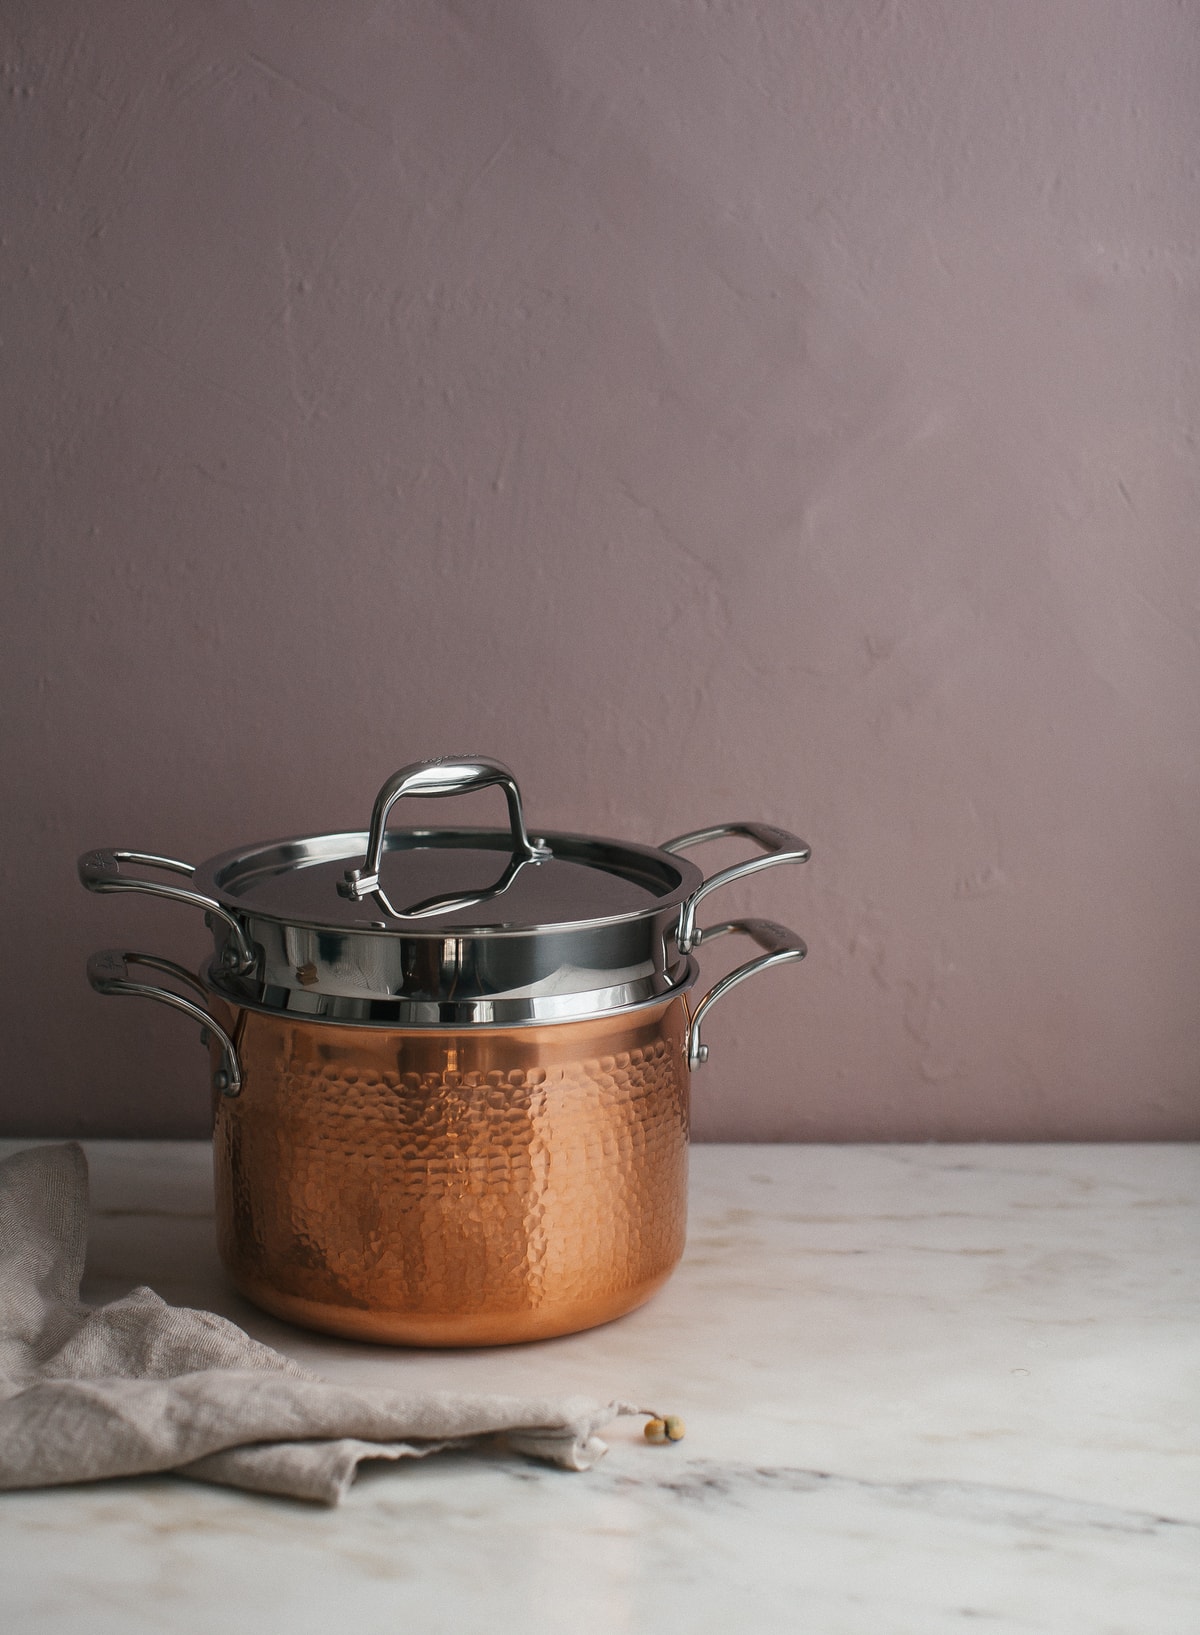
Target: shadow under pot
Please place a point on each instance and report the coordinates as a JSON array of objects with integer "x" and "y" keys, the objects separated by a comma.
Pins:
[{"x": 450, "y": 1066}]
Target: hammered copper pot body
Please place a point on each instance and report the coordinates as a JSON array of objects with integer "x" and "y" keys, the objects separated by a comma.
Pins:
[{"x": 440, "y": 1188}]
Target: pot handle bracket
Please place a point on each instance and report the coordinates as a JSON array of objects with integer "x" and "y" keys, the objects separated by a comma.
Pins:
[
  {"x": 100, "y": 871},
  {"x": 108, "y": 973},
  {"x": 778, "y": 846},
  {"x": 780, "y": 946}
]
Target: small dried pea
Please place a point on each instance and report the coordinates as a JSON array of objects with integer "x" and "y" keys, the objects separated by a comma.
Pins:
[
  {"x": 674, "y": 1427},
  {"x": 655, "y": 1430}
]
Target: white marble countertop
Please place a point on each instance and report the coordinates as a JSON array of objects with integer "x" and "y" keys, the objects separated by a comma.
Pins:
[{"x": 926, "y": 1389}]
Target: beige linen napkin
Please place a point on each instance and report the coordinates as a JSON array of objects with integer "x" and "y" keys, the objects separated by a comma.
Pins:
[{"x": 138, "y": 1385}]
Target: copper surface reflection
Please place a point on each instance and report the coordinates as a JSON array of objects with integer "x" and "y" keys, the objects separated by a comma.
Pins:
[{"x": 454, "y": 1188}]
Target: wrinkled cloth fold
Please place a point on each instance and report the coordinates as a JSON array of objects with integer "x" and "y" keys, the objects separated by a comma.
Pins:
[{"x": 139, "y": 1386}]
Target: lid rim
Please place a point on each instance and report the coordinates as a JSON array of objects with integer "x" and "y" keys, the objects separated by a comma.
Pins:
[{"x": 214, "y": 874}]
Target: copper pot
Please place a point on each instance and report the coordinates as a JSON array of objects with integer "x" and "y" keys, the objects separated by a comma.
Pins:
[{"x": 463, "y": 1120}]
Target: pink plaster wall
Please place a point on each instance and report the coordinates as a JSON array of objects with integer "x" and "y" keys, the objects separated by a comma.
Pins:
[{"x": 769, "y": 409}]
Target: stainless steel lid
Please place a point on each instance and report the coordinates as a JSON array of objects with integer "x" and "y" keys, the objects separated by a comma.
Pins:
[
  {"x": 449, "y": 927},
  {"x": 441, "y": 882}
]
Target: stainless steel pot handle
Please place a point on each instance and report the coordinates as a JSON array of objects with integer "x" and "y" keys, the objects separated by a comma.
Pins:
[
  {"x": 781, "y": 946},
  {"x": 108, "y": 973},
  {"x": 100, "y": 871},
  {"x": 778, "y": 847},
  {"x": 451, "y": 775}
]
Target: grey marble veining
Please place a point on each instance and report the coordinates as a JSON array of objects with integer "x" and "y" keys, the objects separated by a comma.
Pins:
[{"x": 927, "y": 1389}]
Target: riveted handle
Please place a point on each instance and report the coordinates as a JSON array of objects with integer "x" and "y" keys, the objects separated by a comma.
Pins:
[
  {"x": 778, "y": 846},
  {"x": 101, "y": 871},
  {"x": 452, "y": 775},
  {"x": 108, "y": 973},
  {"x": 780, "y": 945}
]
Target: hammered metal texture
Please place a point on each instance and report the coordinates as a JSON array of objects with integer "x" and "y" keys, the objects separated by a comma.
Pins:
[{"x": 438, "y": 1188}]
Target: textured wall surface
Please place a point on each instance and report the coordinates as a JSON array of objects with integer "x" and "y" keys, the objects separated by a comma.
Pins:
[{"x": 766, "y": 409}]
